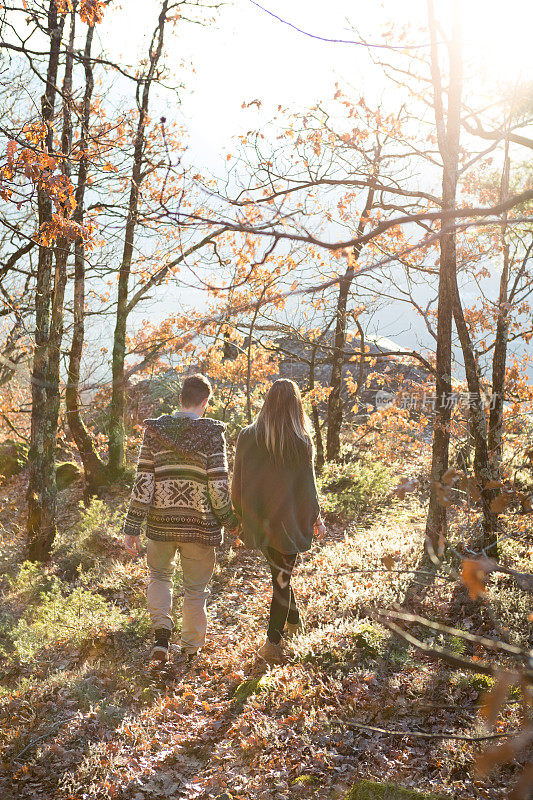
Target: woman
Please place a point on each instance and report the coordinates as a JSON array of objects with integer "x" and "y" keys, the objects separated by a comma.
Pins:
[{"x": 274, "y": 495}]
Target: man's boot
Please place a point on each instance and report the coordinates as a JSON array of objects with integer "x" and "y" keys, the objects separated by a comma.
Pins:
[{"x": 160, "y": 649}]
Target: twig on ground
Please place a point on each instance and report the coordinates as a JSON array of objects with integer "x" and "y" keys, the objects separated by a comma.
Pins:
[
  {"x": 44, "y": 735},
  {"x": 423, "y": 735},
  {"x": 490, "y": 644}
]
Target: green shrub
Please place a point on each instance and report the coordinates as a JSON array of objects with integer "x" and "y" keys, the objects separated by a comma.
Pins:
[
  {"x": 234, "y": 417},
  {"x": 252, "y": 686},
  {"x": 369, "y": 639},
  {"x": 60, "y": 618},
  {"x": 353, "y": 487},
  {"x": 29, "y": 582},
  {"x": 478, "y": 682},
  {"x": 91, "y": 541}
]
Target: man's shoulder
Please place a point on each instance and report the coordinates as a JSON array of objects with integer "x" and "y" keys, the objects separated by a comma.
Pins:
[
  {"x": 204, "y": 435},
  {"x": 171, "y": 421},
  {"x": 214, "y": 424}
]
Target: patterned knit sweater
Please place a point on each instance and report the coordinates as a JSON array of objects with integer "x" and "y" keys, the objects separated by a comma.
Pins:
[{"x": 181, "y": 486}]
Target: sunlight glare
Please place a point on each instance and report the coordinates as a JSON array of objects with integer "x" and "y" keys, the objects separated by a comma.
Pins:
[{"x": 497, "y": 38}]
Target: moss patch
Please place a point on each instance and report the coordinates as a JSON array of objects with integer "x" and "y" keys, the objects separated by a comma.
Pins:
[
  {"x": 13, "y": 458},
  {"x": 252, "y": 686},
  {"x": 66, "y": 474},
  {"x": 370, "y": 790},
  {"x": 369, "y": 639},
  {"x": 304, "y": 780}
]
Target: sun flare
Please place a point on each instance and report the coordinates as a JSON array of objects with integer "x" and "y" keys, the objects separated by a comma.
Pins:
[{"x": 497, "y": 38}]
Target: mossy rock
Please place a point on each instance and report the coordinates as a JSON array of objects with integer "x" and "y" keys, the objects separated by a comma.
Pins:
[
  {"x": 370, "y": 790},
  {"x": 252, "y": 686},
  {"x": 13, "y": 458},
  {"x": 66, "y": 473}
]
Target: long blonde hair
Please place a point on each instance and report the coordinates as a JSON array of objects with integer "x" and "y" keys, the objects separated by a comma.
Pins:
[{"x": 282, "y": 425}]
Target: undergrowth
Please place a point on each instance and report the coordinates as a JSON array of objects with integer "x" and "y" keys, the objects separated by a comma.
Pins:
[{"x": 347, "y": 490}]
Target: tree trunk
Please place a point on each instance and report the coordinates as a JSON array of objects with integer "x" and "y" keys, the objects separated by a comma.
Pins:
[
  {"x": 448, "y": 132},
  {"x": 448, "y": 141},
  {"x": 478, "y": 426},
  {"x": 94, "y": 469},
  {"x": 42, "y": 490},
  {"x": 315, "y": 416},
  {"x": 249, "y": 358},
  {"x": 495, "y": 433},
  {"x": 335, "y": 402},
  {"x": 116, "y": 427}
]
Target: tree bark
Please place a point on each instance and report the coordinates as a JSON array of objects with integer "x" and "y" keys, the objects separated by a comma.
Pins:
[
  {"x": 315, "y": 416},
  {"x": 495, "y": 433},
  {"x": 42, "y": 490},
  {"x": 448, "y": 133},
  {"x": 95, "y": 471},
  {"x": 335, "y": 402},
  {"x": 448, "y": 141},
  {"x": 478, "y": 427},
  {"x": 116, "y": 427}
]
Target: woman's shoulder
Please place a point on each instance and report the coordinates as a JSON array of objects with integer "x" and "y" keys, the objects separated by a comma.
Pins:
[{"x": 247, "y": 433}]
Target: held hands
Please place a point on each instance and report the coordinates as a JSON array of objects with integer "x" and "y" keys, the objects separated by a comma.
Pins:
[
  {"x": 131, "y": 543},
  {"x": 236, "y": 532}
]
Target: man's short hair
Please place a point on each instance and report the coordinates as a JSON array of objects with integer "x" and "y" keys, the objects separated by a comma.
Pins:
[{"x": 195, "y": 389}]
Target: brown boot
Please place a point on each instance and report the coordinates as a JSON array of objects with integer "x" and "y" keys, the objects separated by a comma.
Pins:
[
  {"x": 272, "y": 653},
  {"x": 159, "y": 651}
]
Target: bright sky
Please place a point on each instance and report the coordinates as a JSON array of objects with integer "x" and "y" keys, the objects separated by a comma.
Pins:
[{"x": 247, "y": 54}]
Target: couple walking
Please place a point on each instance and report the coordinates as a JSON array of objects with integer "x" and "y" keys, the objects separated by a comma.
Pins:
[{"x": 182, "y": 492}]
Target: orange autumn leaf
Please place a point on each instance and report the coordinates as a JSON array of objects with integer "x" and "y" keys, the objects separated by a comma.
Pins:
[
  {"x": 501, "y": 502},
  {"x": 474, "y": 577}
]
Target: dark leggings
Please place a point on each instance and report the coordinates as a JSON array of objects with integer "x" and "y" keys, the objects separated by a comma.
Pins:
[{"x": 283, "y": 607}]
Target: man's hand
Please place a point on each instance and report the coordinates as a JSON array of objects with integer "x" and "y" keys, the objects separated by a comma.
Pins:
[
  {"x": 131, "y": 543},
  {"x": 320, "y": 528}
]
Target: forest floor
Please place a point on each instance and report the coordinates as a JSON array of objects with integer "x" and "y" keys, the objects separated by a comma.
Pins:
[{"x": 83, "y": 716}]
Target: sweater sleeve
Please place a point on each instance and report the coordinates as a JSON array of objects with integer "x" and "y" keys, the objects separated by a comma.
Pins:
[
  {"x": 317, "y": 498},
  {"x": 236, "y": 479},
  {"x": 218, "y": 484},
  {"x": 143, "y": 489},
  {"x": 313, "y": 489}
]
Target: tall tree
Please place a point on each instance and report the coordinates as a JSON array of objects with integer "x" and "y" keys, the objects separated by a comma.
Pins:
[
  {"x": 448, "y": 126},
  {"x": 335, "y": 402},
  {"x": 42, "y": 490},
  {"x": 116, "y": 429},
  {"x": 94, "y": 467}
]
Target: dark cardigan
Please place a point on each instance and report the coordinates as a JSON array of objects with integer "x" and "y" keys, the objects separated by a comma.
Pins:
[{"x": 277, "y": 503}]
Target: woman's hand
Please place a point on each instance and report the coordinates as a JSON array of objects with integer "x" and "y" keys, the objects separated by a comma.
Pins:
[{"x": 320, "y": 528}]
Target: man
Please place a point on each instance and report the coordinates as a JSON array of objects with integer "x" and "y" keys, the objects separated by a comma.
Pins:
[{"x": 181, "y": 490}]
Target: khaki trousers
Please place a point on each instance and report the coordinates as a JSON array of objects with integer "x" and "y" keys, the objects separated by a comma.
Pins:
[{"x": 197, "y": 565}]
